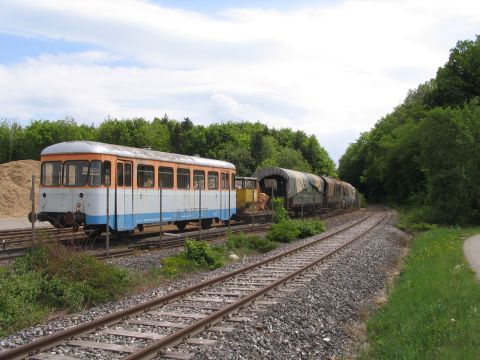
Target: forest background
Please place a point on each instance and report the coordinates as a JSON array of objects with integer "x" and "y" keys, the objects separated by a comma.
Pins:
[
  {"x": 426, "y": 153},
  {"x": 245, "y": 144}
]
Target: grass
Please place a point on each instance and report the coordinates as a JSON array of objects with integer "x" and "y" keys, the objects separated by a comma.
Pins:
[{"x": 433, "y": 311}]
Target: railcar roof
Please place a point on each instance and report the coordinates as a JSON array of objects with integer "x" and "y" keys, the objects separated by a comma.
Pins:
[{"x": 92, "y": 147}]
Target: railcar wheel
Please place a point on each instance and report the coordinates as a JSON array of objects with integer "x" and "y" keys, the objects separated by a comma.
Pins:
[
  {"x": 206, "y": 223},
  {"x": 181, "y": 225}
]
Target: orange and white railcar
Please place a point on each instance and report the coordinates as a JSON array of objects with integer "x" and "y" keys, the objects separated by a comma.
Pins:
[{"x": 89, "y": 183}]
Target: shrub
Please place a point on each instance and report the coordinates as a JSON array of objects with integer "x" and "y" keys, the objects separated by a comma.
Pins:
[
  {"x": 285, "y": 231},
  {"x": 263, "y": 245},
  {"x": 309, "y": 227},
  {"x": 175, "y": 265},
  {"x": 50, "y": 277},
  {"x": 280, "y": 214},
  {"x": 251, "y": 242},
  {"x": 203, "y": 255}
]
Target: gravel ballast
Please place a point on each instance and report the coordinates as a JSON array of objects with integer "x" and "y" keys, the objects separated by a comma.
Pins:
[{"x": 315, "y": 322}]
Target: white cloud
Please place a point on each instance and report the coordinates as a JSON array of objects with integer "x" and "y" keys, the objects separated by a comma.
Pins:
[{"x": 325, "y": 69}]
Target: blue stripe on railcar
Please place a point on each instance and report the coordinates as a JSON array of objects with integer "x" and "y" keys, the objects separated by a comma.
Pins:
[{"x": 148, "y": 218}]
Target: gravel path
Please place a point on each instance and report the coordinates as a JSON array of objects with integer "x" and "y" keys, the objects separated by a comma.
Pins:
[{"x": 311, "y": 325}]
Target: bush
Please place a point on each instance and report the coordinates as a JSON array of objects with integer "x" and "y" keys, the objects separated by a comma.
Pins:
[
  {"x": 285, "y": 232},
  {"x": 280, "y": 214},
  {"x": 309, "y": 227},
  {"x": 416, "y": 219},
  {"x": 196, "y": 255},
  {"x": 51, "y": 277},
  {"x": 176, "y": 265},
  {"x": 251, "y": 242},
  {"x": 203, "y": 255}
]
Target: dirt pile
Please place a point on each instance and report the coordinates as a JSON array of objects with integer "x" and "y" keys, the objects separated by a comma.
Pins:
[{"x": 15, "y": 187}]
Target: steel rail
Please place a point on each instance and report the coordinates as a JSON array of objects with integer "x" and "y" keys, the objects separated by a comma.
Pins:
[
  {"x": 49, "y": 341},
  {"x": 152, "y": 350}
]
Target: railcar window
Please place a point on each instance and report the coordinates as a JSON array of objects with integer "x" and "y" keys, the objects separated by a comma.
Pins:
[
  {"x": 165, "y": 177},
  {"x": 239, "y": 184},
  {"x": 95, "y": 173},
  {"x": 250, "y": 184},
  {"x": 198, "y": 179},
  {"x": 212, "y": 180},
  {"x": 145, "y": 176},
  {"x": 233, "y": 182},
  {"x": 128, "y": 174},
  {"x": 225, "y": 180},
  {"x": 51, "y": 173},
  {"x": 107, "y": 171},
  {"x": 183, "y": 179},
  {"x": 119, "y": 174},
  {"x": 76, "y": 172}
]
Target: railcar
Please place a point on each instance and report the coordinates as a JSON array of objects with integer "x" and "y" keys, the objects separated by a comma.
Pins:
[
  {"x": 90, "y": 184},
  {"x": 300, "y": 191},
  {"x": 304, "y": 192}
]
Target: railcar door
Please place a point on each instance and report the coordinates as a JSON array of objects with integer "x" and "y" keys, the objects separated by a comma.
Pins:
[{"x": 124, "y": 196}]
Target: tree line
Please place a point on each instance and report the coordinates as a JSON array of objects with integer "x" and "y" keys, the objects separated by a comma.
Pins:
[
  {"x": 426, "y": 152},
  {"x": 247, "y": 145}
]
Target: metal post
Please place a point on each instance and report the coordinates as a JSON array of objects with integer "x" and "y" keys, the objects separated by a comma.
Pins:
[
  {"x": 272, "y": 204},
  {"x": 107, "y": 239},
  {"x": 253, "y": 213},
  {"x": 199, "y": 209},
  {"x": 228, "y": 205},
  {"x": 161, "y": 208},
  {"x": 32, "y": 198}
]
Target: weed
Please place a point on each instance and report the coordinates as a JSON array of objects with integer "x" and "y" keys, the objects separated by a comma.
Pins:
[
  {"x": 250, "y": 242},
  {"x": 309, "y": 227},
  {"x": 52, "y": 277},
  {"x": 285, "y": 232}
]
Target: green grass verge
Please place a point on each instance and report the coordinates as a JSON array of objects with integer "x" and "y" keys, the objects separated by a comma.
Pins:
[{"x": 433, "y": 311}]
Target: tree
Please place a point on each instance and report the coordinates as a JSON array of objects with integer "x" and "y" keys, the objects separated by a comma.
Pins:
[{"x": 458, "y": 81}]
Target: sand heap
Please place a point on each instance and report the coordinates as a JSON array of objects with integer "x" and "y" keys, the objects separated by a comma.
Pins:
[{"x": 15, "y": 187}]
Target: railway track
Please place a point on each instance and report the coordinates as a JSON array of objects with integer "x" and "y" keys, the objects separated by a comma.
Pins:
[
  {"x": 161, "y": 327},
  {"x": 16, "y": 242},
  {"x": 176, "y": 240}
]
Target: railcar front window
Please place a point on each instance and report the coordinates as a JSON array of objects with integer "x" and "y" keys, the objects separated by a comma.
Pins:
[
  {"x": 95, "y": 175},
  {"x": 51, "y": 173},
  {"x": 198, "y": 179},
  {"x": 145, "y": 176},
  {"x": 76, "y": 172},
  {"x": 250, "y": 184},
  {"x": 239, "y": 184},
  {"x": 183, "y": 179}
]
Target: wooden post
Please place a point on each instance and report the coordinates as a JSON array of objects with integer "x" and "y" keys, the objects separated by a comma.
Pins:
[{"x": 33, "y": 216}]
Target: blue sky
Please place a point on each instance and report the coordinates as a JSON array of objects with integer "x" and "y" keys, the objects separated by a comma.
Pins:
[{"x": 329, "y": 68}]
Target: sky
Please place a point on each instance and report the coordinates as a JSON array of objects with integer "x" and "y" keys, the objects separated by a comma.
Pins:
[{"x": 329, "y": 68}]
